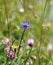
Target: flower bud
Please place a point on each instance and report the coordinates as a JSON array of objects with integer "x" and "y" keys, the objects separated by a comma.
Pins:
[
  {"x": 11, "y": 54},
  {"x": 6, "y": 41},
  {"x": 7, "y": 49},
  {"x": 30, "y": 42},
  {"x": 48, "y": 25},
  {"x": 33, "y": 57},
  {"x": 27, "y": 63}
]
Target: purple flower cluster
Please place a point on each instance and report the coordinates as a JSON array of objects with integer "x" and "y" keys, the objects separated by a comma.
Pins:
[
  {"x": 11, "y": 54},
  {"x": 25, "y": 24}
]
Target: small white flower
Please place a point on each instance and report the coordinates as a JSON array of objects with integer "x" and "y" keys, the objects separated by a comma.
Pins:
[
  {"x": 21, "y": 10},
  {"x": 50, "y": 47},
  {"x": 30, "y": 6},
  {"x": 43, "y": 25}
]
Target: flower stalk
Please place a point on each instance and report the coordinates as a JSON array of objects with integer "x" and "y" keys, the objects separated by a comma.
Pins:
[
  {"x": 21, "y": 41},
  {"x": 41, "y": 33},
  {"x": 28, "y": 56}
]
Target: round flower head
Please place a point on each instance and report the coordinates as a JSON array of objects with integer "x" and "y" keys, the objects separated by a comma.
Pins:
[
  {"x": 48, "y": 25},
  {"x": 30, "y": 42},
  {"x": 15, "y": 46},
  {"x": 21, "y": 10},
  {"x": 11, "y": 54},
  {"x": 6, "y": 41},
  {"x": 27, "y": 63},
  {"x": 7, "y": 49},
  {"x": 25, "y": 24}
]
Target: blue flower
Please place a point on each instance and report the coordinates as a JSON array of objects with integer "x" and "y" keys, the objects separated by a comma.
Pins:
[{"x": 25, "y": 24}]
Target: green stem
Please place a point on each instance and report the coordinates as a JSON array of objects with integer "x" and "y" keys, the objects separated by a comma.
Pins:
[
  {"x": 28, "y": 56},
  {"x": 21, "y": 41},
  {"x": 8, "y": 26}
]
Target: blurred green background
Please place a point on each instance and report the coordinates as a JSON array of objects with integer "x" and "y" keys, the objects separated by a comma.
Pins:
[{"x": 37, "y": 12}]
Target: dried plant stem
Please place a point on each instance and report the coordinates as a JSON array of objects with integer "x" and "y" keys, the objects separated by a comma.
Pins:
[
  {"x": 41, "y": 33},
  {"x": 7, "y": 16}
]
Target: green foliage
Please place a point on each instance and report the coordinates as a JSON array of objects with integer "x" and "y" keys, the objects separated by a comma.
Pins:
[{"x": 38, "y": 13}]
